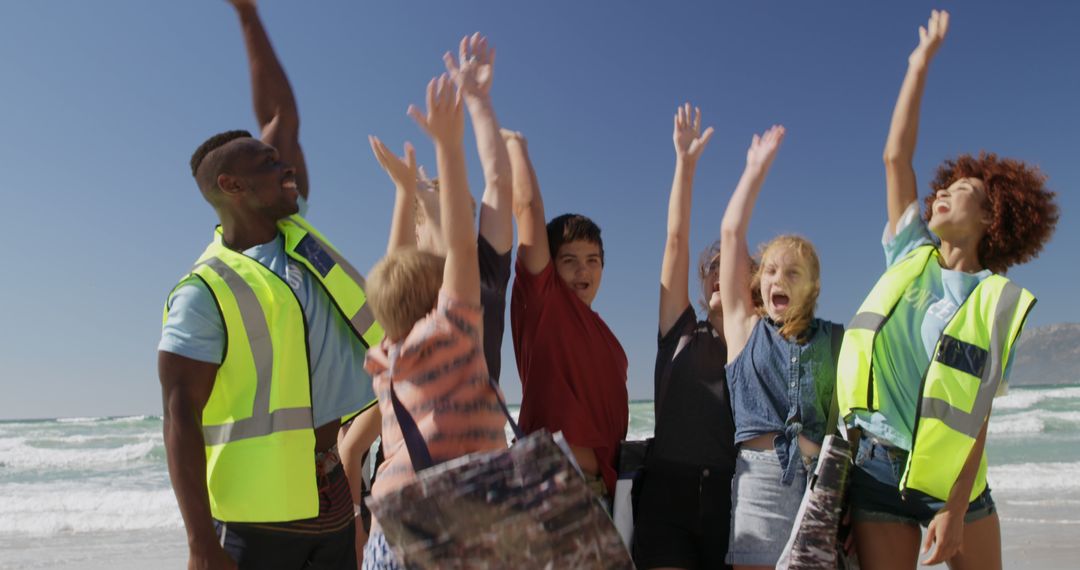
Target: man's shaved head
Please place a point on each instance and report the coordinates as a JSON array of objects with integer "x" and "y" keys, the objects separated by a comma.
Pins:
[{"x": 207, "y": 162}]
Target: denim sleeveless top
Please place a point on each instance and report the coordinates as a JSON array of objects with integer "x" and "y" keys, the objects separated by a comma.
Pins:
[{"x": 780, "y": 386}]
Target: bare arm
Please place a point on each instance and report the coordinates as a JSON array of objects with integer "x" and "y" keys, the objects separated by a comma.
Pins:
[
  {"x": 675, "y": 269},
  {"x": 185, "y": 388},
  {"x": 403, "y": 173},
  {"x": 947, "y": 528},
  {"x": 472, "y": 74},
  {"x": 275, "y": 106},
  {"x": 528, "y": 206},
  {"x": 354, "y": 443},
  {"x": 445, "y": 123},
  {"x": 904, "y": 128},
  {"x": 739, "y": 313}
]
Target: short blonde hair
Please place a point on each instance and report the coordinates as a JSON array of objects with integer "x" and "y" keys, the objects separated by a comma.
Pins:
[
  {"x": 801, "y": 311},
  {"x": 402, "y": 288}
]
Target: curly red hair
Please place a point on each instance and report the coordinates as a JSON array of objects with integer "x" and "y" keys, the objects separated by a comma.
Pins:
[{"x": 1023, "y": 212}]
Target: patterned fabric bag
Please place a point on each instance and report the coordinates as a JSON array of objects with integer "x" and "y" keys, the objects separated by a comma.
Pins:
[
  {"x": 814, "y": 541},
  {"x": 524, "y": 507}
]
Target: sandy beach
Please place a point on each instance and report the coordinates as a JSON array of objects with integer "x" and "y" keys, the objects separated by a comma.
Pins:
[{"x": 1037, "y": 535}]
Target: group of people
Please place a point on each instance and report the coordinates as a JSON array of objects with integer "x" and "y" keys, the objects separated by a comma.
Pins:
[{"x": 280, "y": 365}]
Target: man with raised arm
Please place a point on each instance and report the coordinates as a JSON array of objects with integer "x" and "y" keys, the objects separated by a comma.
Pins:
[
  {"x": 572, "y": 368},
  {"x": 262, "y": 352}
]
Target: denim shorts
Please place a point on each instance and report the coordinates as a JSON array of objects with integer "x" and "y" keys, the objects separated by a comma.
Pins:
[
  {"x": 875, "y": 493},
  {"x": 377, "y": 554},
  {"x": 762, "y": 508}
]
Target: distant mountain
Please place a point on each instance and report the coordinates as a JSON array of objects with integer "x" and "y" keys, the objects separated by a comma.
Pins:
[{"x": 1048, "y": 355}]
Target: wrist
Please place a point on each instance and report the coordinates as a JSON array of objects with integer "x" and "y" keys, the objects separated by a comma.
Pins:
[
  {"x": 203, "y": 543},
  {"x": 685, "y": 161},
  {"x": 407, "y": 189},
  {"x": 477, "y": 101}
]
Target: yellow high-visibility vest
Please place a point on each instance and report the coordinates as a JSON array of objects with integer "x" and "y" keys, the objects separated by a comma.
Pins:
[
  {"x": 958, "y": 387},
  {"x": 257, "y": 423}
]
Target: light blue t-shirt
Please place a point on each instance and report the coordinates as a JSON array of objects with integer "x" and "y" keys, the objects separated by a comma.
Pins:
[
  {"x": 339, "y": 383},
  {"x": 921, "y": 315}
]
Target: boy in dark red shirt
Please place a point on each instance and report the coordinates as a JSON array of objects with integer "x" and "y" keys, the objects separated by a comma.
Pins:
[{"x": 572, "y": 368}]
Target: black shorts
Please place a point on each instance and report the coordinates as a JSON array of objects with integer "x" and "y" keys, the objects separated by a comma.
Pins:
[{"x": 683, "y": 516}]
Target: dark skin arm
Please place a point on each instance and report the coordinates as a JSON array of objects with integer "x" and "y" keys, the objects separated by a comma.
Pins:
[
  {"x": 275, "y": 106},
  {"x": 185, "y": 387}
]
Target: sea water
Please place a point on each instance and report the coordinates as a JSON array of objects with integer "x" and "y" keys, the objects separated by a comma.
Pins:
[{"x": 87, "y": 491}]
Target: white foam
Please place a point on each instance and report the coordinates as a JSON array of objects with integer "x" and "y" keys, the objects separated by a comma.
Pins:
[
  {"x": 1035, "y": 421},
  {"x": 1019, "y": 398},
  {"x": 1041, "y": 477},
  {"x": 18, "y": 455},
  {"x": 42, "y": 509}
]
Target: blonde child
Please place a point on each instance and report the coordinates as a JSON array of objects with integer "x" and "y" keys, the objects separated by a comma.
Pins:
[
  {"x": 780, "y": 371},
  {"x": 432, "y": 358}
]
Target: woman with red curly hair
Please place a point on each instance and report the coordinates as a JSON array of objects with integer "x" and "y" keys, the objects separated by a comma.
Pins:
[{"x": 933, "y": 342}]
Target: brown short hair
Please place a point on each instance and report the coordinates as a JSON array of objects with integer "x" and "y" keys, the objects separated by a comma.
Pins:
[
  {"x": 402, "y": 288},
  {"x": 800, "y": 313},
  {"x": 1023, "y": 212},
  {"x": 573, "y": 227}
]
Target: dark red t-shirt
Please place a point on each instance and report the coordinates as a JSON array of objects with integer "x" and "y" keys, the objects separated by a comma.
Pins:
[{"x": 572, "y": 368}]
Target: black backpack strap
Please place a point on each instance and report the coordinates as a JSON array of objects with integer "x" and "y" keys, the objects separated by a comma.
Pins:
[{"x": 419, "y": 454}]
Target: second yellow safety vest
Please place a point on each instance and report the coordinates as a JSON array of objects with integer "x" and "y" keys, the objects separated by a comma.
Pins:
[{"x": 958, "y": 388}]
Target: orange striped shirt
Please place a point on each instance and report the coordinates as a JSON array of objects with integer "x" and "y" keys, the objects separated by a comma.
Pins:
[{"x": 440, "y": 376}]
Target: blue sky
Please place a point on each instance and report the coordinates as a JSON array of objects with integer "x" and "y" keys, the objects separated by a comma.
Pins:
[{"x": 103, "y": 102}]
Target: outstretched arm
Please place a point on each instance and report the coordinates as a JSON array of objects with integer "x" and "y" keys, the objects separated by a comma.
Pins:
[
  {"x": 738, "y": 303},
  {"x": 946, "y": 531},
  {"x": 674, "y": 272},
  {"x": 904, "y": 129},
  {"x": 275, "y": 107},
  {"x": 402, "y": 172},
  {"x": 472, "y": 74},
  {"x": 528, "y": 205},
  {"x": 445, "y": 123},
  {"x": 185, "y": 387}
]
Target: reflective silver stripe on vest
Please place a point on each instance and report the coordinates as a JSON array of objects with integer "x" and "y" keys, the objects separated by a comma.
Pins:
[
  {"x": 364, "y": 318},
  {"x": 970, "y": 423},
  {"x": 261, "y": 422},
  {"x": 868, "y": 321},
  {"x": 284, "y": 419}
]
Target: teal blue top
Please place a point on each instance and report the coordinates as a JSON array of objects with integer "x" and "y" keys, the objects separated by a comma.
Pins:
[{"x": 906, "y": 342}]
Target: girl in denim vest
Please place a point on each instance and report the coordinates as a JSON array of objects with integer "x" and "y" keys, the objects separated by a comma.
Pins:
[{"x": 781, "y": 371}]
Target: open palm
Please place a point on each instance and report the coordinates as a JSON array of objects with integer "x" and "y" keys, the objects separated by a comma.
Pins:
[
  {"x": 475, "y": 67},
  {"x": 687, "y": 136},
  {"x": 763, "y": 147},
  {"x": 931, "y": 37}
]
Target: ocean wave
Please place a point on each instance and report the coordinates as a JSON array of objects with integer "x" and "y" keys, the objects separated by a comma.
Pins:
[
  {"x": 1035, "y": 422},
  {"x": 40, "y": 509},
  {"x": 86, "y": 420},
  {"x": 1041, "y": 477},
  {"x": 1019, "y": 398},
  {"x": 17, "y": 454}
]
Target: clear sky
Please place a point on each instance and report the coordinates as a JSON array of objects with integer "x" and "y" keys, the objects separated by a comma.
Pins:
[{"x": 102, "y": 104}]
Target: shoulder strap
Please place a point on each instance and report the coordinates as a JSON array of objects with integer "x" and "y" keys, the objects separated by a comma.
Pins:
[
  {"x": 419, "y": 454},
  {"x": 834, "y": 406}
]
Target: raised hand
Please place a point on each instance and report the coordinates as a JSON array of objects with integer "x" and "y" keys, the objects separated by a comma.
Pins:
[
  {"x": 402, "y": 171},
  {"x": 444, "y": 121},
  {"x": 475, "y": 67},
  {"x": 688, "y": 138},
  {"x": 930, "y": 38},
  {"x": 763, "y": 148}
]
